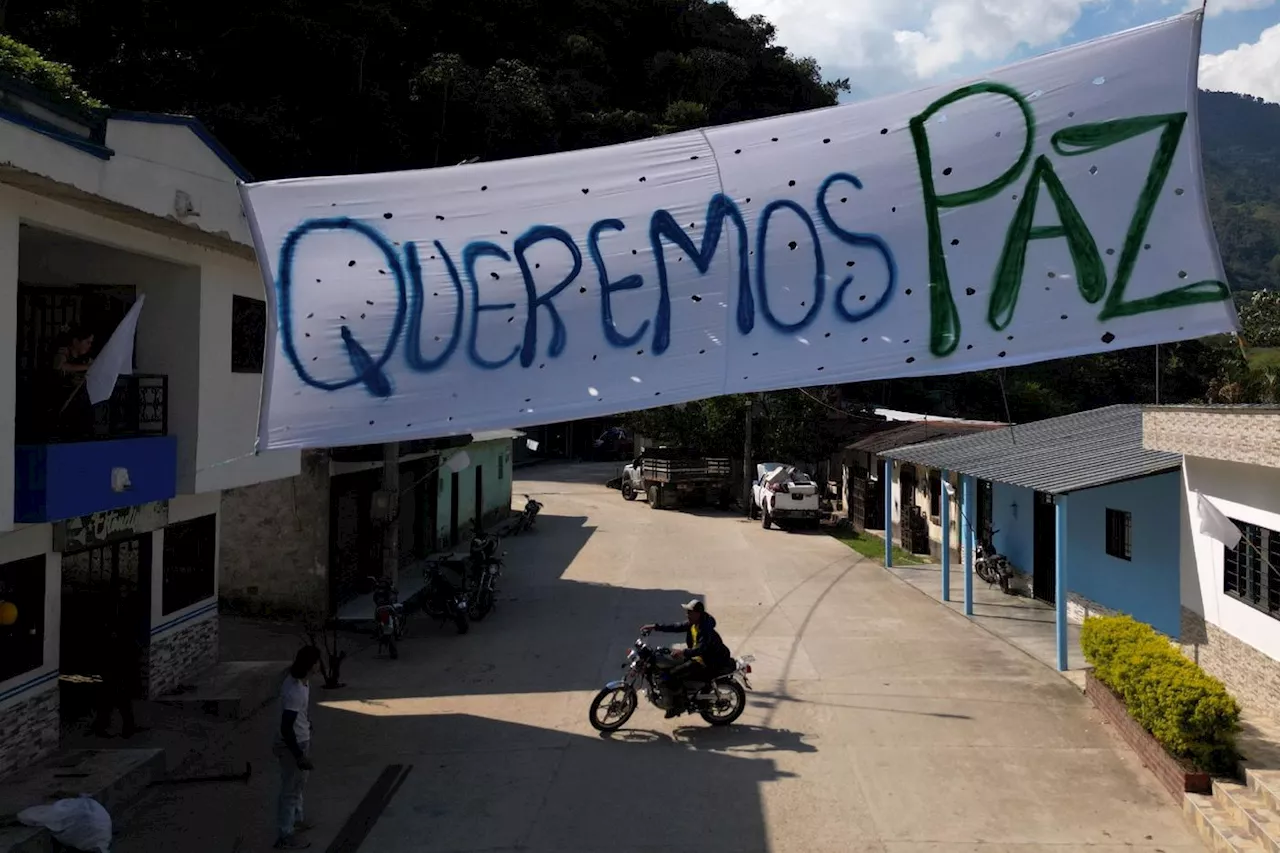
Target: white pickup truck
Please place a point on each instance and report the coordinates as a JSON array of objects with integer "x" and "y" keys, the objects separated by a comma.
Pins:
[{"x": 783, "y": 496}]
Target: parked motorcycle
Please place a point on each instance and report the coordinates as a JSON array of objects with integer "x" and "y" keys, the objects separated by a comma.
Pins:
[
  {"x": 527, "y": 516},
  {"x": 482, "y": 576},
  {"x": 720, "y": 702},
  {"x": 388, "y": 616},
  {"x": 990, "y": 565},
  {"x": 442, "y": 598}
]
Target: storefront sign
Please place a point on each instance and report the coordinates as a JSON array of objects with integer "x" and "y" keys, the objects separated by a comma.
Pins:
[{"x": 99, "y": 528}]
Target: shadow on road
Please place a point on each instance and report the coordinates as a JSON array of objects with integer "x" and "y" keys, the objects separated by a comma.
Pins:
[{"x": 484, "y": 784}]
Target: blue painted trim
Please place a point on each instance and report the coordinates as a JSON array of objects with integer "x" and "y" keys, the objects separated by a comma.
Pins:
[
  {"x": 29, "y": 685},
  {"x": 946, "y": 535},
  {"x": 1060, "y": 580},
  {"x": 172, "y": 623},
  {"x": 102, "y": 152},
  {"x": 888, "y": 513},
  {"x": 968, "y": 535},
  {"x": 195, "y": 126}
]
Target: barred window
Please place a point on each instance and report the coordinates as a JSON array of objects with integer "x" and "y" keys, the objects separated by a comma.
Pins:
[
  {"x": 1119, "y": 534},
  {"x": 1252, "y": 569}
]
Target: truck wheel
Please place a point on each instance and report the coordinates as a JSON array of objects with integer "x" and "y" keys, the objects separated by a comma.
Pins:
[
  {"x": 628, "y": 490},
  {"x": 655, "y": 498}
]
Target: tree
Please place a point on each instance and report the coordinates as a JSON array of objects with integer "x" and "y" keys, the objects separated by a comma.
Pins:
[{"x": 374, "y": 85}]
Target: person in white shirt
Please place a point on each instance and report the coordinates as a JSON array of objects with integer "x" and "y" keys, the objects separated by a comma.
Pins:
[{"x": 293, "y": 748}]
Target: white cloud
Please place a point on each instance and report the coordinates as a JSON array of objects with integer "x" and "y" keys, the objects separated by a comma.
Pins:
[
  {"x": 905, "y": 41},
  {"x": 1253, "y": 69},
  {"x": 1217, "y": 7},
  {"x": 920, "y": 37}
]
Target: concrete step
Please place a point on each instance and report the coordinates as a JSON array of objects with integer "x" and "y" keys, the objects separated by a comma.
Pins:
[
  {"x": 113, "y": 777},
  {"x": 231, "y": 690},
  {"x": 1251, "y": 811},
  {"x": 1218, "y": 826},
  {"x": 1266, "y": 785}
]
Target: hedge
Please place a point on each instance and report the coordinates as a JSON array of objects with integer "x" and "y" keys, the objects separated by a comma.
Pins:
[
  {"x": 26, "y": 65},
  {"x": 1187, "y": 710}
]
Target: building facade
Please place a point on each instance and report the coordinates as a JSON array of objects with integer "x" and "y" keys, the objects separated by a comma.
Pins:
[
  {"x": 109, "y": 513},
  {"x": 1082, "y": 511},
  {"x": 309, "y": 544},
  {"x": 1230, "y": 597}
]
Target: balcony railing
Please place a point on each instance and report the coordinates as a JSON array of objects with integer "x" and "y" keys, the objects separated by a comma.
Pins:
[{"x": 137, "y": 408}]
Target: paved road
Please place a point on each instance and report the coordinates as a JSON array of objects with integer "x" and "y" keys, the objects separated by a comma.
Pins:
[{"x": 881, "y": 721}]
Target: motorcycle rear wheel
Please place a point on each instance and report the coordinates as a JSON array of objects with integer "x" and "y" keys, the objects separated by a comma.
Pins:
[
  {"x": 986, "y": 573},
  {"x": 392, "y": 651},
  {"x": 621, "y": 705},
  {"x": 725, "y": 710},
  {"x": 461, "y": 622}
]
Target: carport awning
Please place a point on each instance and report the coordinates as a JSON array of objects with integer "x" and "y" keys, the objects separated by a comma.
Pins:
[{"x": 1058, "y": 455}]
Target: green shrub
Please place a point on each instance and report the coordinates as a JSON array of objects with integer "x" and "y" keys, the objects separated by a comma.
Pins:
[
  {"x": 1187, "y": 710},
  {"x": 26, "y": 65}
]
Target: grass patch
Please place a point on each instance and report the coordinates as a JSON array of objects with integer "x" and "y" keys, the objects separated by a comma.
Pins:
[
  {"x": 1261, "y": 358},
  {"x": 870, "y": 545}
]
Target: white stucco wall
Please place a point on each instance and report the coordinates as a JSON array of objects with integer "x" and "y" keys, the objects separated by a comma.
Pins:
[
  {"x": 229, "y": 401},
  {"x": 8, "y": 355},
  {"x": 1251, "y": 494},
  {"x": 151, "y": 162}
]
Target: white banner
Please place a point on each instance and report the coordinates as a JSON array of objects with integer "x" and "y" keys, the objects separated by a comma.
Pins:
[{"x": 1052, "y": 209}]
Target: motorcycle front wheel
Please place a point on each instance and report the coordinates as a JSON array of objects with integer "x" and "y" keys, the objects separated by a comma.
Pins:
[
  {"x": 611, "y": 709},
  {"x": 727, "y": 706},
  {"x": 461, "y": 622},
  {"x": 986, "y": 573},
  {"x": 392, "y": 651},
  {"x": 481, "y": 606}
]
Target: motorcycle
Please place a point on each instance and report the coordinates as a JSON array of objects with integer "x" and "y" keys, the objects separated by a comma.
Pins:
[
  {"x": 720, "y": 702},
  {"x": 388, "y": 616},
  {"x": 528, "y": 515},
  {"x": 482, "y": 576},
  {"x": 443, "y": 599},
  {"x": 990, "y": 565}
]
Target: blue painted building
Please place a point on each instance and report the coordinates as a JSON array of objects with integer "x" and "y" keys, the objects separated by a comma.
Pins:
[{"x": 1086, "y": 514}]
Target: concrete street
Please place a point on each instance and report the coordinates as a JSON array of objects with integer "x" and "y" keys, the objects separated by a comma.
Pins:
[{"x": 881, "y": 721}]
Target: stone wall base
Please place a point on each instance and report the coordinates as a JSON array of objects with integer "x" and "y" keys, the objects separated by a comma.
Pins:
[
  {"x": 1080, "y": 608},
  {"x": 1251, "y": 676},
  {"x": 29, "y": 729},
  {"x": 180, "y": 656}
]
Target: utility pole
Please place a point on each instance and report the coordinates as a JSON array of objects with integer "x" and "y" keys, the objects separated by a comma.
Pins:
[
  {"x": 747, "y": 468},
  {"x": 391, "y": 528}
]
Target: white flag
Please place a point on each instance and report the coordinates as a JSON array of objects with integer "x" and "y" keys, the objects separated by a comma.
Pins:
[
  {"x": 115, "y": 359},
  {"x": 1215, "y": 525},
  {"x": 531, "y": 444}
]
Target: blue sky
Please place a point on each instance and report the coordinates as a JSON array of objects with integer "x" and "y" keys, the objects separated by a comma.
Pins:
[{"x": 889, "y": 46}]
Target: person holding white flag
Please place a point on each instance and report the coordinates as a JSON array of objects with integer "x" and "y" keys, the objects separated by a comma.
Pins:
[{"x": 115, "y": 359}]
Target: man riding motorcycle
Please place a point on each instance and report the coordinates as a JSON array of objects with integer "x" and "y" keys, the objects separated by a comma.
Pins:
[{"x": 705, "y": 653}]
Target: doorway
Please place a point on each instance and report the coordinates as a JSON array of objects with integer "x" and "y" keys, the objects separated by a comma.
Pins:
[
  {"x": 355, "y": 541},
  {"x": 1044, "y": 579},
  {"x": 479, "y": 524},
  {"x": 104, "y": 589},
  {"x": 455, "y": 487},
  {"x": 985, "y": 503}
]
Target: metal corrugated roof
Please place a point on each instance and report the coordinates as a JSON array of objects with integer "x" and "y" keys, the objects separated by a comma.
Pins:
[
  {"x": 897, "y": 434},
  {"x": 1057, "y": 455}
]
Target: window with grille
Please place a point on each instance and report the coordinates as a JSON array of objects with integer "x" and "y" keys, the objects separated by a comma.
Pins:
[
  {"x": 1252, "y": 569},
  {"x": 248, "y": 334},
  {"x": 935, "y": 494},
  {"x": 1120, "y": 534},
  {"x": 502, "y": 465},
  {"x": 22, "y": 604},
  {"x": 189, "y": 562}
]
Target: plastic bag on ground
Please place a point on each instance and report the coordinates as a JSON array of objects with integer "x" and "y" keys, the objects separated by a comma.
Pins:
[{"x": 81, "y": 823}]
